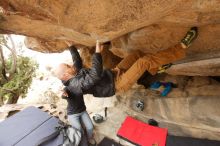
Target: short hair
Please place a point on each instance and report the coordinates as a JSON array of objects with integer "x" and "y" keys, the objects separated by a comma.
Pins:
[
  {"x": 63, "y": 68},
  {"x": 59, "y": 70}
]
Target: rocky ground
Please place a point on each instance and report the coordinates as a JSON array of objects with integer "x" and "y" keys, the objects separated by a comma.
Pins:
[
  {"x": 189, "y": 110},
  {"x": 129, "y": 25}
]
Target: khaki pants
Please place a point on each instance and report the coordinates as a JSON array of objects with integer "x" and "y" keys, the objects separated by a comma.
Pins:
[{"x": 134, "y": 65}]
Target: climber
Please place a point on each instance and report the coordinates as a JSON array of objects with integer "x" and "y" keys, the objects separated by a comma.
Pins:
[
  {"x": 78, "y": 81},
  {"x": 105, "y": 83},
  {"x": 131, "y": 68}
]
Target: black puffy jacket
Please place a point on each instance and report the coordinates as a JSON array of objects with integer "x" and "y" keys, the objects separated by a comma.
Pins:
[{"x": 94, "y": 81}]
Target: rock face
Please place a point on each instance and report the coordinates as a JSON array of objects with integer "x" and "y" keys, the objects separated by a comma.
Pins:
[
  {"x": 130, "y": 25},
  {"x": 191, "y": 111}
]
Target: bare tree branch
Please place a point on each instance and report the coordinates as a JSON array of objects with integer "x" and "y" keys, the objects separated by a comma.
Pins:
[
  {"x": 1, "y": 101},
  {"x": 14, "y": 57},
  {"x": 9, "y": 90},
  {"x": 3, "y": 64}
]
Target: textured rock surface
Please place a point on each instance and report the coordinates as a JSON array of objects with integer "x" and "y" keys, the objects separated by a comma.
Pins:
[
  {"x": 131, "y": 25},
  {"x": 189, "y": 110},
  {"x": 45, "y": 46},
  {"x": 146, "y": 25}
]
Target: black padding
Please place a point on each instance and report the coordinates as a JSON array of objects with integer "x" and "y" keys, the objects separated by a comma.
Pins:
[
  {"x": 108, "y": 142},
  {"x": 187, "y": 141}
]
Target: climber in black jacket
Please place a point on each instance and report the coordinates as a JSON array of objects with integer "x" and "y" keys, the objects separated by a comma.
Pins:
[{"x": 79, "y": 81}]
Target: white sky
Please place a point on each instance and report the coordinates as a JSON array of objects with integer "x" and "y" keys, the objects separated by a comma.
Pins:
[{"x": 43, "y": 59}]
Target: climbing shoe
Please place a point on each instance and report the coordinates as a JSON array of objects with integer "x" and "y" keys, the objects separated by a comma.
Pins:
[
  {"x": 139, "y": 105},
  {"x": 163, "y": 68},
  {"x": 190, "y": 36},
  {"x": 153, "y": 122},
  {"x": 97, "y": 118}
]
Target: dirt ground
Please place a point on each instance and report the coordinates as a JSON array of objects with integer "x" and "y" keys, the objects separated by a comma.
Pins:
[{"x": 190, "y": 110}]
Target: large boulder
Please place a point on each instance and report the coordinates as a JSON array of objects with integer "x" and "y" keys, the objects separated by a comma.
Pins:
[
  {"x": 130, "y": 25},
  {"x": 190, "y": 110}
]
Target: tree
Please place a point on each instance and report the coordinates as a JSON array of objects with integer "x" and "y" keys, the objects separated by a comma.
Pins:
[{"x": 16, "y": 72}]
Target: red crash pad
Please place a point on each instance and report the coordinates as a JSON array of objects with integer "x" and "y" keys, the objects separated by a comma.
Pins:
[{"x": 140, "y": 133}]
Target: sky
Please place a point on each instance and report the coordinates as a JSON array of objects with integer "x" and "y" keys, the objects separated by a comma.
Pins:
[{"x": 43, "y": 59}]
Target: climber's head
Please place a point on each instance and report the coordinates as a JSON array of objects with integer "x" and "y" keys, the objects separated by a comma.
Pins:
[{"x": 65, "y": 72}]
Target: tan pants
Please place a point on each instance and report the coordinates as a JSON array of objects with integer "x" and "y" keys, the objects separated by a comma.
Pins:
[{"x": 134, "y": 65}]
